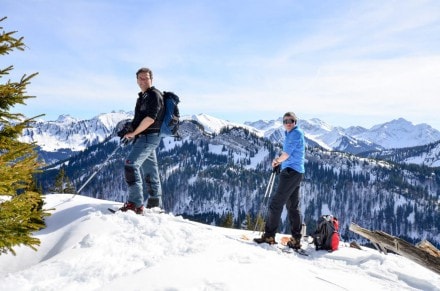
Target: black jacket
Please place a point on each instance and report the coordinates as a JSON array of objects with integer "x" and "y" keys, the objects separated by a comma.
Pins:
[{"x": 149, "y": 103}]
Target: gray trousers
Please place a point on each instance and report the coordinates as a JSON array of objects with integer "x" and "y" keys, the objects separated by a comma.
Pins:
[{"x": 140, "y": 163}]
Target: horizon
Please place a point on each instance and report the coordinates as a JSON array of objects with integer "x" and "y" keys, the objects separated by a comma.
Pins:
[
  {"x": 273, "y": 119},
  {"x": 348, "y": 62}
]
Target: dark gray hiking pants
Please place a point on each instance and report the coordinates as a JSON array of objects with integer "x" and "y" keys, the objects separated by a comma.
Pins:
[{"x": 287, "y": 194}]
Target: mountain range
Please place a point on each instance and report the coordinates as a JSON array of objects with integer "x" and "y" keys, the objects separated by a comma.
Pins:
[
  {"x": 62, "y": 138},
  {"x": 219, "y": 168}
]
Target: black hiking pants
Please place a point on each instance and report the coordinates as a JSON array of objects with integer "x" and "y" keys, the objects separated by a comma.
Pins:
[{"x": 287, "y": 194}]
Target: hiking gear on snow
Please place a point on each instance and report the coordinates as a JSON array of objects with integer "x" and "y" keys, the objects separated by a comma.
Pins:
[
  {"x": 283, "y": 247},
  {"x": 263, "y": 207},
  {"x": 301, "y": 252},
  {"x": 131, "y": 206},
  {"x": 303, "y": 230},
  {"x": 99, "y": 168},
  {"x": 144, "y": 212},
  {"x": 153, "y": 202},
  {"x": 265, "y": 239},
  {"x": 122, "y": 143},
  {"x": 326, "y": 236},
  {"x": 294, "y": 243}
]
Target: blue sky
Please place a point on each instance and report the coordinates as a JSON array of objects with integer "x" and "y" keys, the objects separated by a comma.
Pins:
[{"x": 345, "y": 62}]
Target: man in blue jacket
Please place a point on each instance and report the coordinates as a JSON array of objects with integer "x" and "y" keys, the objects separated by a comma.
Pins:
[{"x": 291, "y": 162}]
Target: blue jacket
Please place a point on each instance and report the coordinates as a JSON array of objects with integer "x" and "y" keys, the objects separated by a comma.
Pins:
[{"x": 294, "y": 146}]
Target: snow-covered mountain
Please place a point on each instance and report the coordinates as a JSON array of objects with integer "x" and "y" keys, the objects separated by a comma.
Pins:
[
  {"x": 58, "y": 139},
  {"x": 68, "y": 132},
  {"x": 398, "y": 133},
  {"x": 213, "y": 125}
]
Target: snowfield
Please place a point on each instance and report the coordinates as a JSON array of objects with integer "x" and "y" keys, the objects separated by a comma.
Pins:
[{"x": 85, "y": 247}]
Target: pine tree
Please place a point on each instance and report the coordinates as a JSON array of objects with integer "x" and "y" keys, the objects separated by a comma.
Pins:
[
  {"x": 21, "y": 205},
  {"x": 249, "y": 223},
  {"x": 259, "y": 223},
  {"x": 58, "y": 186},
  {"x": 228, "y": 220},
  {"x": 62, "y": 183}
]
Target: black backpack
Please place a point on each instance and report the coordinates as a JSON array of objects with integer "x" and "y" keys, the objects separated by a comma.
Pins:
[
  {"x": 326, "y": 236},
  {"x": 170, "y": 123}
]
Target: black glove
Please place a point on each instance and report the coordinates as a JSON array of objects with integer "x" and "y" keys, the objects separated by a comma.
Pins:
[{"x": 125, "y": 129}]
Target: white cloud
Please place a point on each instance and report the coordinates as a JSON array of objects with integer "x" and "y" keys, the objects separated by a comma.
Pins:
[{"x": 371, "y": 58}]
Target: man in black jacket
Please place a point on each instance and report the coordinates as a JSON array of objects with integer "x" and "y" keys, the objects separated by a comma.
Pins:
[{"x": 141, "y": 163}]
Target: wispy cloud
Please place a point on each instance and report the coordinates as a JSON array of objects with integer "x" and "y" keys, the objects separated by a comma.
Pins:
[{"x": 346, "y": 62}]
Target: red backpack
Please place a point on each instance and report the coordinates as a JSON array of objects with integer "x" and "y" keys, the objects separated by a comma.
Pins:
[{"x": 326, "y": 236}]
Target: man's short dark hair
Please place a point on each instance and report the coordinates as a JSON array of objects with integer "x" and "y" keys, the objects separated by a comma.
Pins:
[{"x": 145, "y": 70}]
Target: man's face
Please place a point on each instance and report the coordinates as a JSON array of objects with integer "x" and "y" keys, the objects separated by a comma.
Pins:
[{"x": 144, "y": 81}]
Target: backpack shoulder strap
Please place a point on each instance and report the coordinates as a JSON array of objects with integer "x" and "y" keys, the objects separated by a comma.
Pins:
[{"x": 171, "y": 95}]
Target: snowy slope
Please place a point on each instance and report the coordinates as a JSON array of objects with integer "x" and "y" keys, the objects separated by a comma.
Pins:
[
  {"x": 214, "y": 125},
  {"x": 86, "y": 248},
  {"x": 430, "y": 158}
]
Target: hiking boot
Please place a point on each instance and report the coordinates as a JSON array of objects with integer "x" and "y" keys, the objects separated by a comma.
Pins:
[
  {"x": 140, "y": 210},
  {"x": 265, "y": 239},
  {"x": 128, "y": 206},
  {"x": 131, "y": 206},
  {"x": 294, "y": 243},
  {"x": 153, "y": 202}
]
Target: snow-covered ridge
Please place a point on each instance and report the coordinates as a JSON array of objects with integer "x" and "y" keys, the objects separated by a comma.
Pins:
[
  {"x": 214, "y": 125},
  {"x": 398, "y": 133},
  {"x": 70, "y": 133}
]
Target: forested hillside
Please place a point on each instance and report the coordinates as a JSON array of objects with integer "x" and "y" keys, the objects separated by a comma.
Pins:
[{"x": 209, "y": 177}]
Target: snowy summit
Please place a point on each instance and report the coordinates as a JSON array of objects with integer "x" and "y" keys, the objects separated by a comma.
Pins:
[{"x": 85, "y": 247}]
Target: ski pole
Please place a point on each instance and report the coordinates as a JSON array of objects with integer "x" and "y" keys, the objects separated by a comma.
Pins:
[
  {"x": 265, "y": 197},
  {"x": 123, "y": 142}
]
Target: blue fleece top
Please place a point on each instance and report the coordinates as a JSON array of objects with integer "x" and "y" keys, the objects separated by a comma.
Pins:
[{"x": 294, "y": 146}]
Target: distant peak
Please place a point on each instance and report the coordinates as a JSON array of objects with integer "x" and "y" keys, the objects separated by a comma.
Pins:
[
  {"x": 401, "y": 120},
  {"x": 66, "y": 118}
]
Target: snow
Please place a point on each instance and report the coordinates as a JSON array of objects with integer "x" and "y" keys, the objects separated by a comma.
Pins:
[
  {"x": 68, "y": 132},
  {"x": 84, "y": 247},
  {"x": 214, "y": 125}
]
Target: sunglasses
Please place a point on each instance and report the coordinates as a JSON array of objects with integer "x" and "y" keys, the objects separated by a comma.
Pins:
[{"x": 288, "y": 121}]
